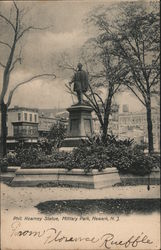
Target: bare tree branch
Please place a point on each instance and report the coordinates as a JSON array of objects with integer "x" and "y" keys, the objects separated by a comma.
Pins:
[
  {"x": 96, "y": 109},
  {"x": 15, "y": 5},
  {"x": 18, "y": 59},
  {"x": 70, "y": 91},
  {"x": 4, "y": 43},
  {"x": 154, "y": 63},
  {"x": 8, "y": 21},
  {"x": 24, "y": 11},
  {"x": 153, "y": 81},
  {"x": 67, "y": 66},
  {"x": 2, "y": 65},
  {"x": 99, "y": 97},
  {"x": 139, "y": 84},
  {"x": 30, "y": 28},
  {"x": 14, "y": 63},
  {"x": 116, "y": 89},
  {"x": 17, "y": 21},
  {"x": 24, "y": 82},
  {"x": 95, "y": 104},
  {"x": 65, "y": 63},
  {"x": 136, "y": 94}
]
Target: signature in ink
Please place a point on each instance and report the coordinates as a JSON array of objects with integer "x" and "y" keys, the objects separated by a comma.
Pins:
[{"x": 107, "y": 240}]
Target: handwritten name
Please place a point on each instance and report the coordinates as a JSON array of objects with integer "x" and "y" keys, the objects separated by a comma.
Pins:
[{"x": 107, "y": 240}]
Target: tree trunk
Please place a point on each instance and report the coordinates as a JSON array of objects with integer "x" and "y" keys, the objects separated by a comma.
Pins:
[
  {"x": 106, "y": 118},
  {"x": 150, "y": 128},
  {"x": 3, "y": 134}
]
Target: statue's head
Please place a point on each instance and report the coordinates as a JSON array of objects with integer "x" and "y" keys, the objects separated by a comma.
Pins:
[{"x": 79, "y": 66}]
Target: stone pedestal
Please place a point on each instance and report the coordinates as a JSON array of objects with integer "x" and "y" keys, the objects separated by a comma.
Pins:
[
  {"x": 80, "y": 125},
  {"x": 62, "y": 177}
]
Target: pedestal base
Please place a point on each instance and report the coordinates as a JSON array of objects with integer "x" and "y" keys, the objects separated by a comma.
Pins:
[
  {"x": 73, "y": 141},
  {"x": 62, "y": 177},
  {"x": 80, "y": 125}
]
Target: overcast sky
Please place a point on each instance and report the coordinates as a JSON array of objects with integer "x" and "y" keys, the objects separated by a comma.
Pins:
[{"x": 41, "y": 50}]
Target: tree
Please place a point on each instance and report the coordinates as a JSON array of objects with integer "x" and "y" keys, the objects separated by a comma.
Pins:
[
  {"x": 106, "y": 72},
  {"x": 57, "y": 134},
  {"x": 105, "y": 75},
  {"x": 18, "y": 31},
  {"x": 136, "y": 41}
]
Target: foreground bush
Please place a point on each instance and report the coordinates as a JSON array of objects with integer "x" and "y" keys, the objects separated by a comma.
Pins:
[
  {"x": 92, "y": 154},
  {"x": 124, "y": 155}
]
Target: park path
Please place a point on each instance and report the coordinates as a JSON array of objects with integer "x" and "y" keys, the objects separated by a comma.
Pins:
[
  {"x": 28, "y": 197},
  {"x": 18, "y": 210}
]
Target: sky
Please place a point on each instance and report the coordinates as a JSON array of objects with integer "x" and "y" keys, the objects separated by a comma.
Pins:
[{"x": 41, "y": 50}]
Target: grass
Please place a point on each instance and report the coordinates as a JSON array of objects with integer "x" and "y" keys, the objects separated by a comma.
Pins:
[{"x": 109, "y": 206}]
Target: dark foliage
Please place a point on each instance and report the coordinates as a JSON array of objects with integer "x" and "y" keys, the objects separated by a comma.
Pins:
[
  {"x": 109, "y": 206},
  {"x": 57, "y": 134},
  {"x": 122, "y": 154},
  {"x": 127, "y": 157}
]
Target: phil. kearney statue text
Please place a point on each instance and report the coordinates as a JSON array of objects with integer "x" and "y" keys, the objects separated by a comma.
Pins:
[{"x": 52, "y": 235}]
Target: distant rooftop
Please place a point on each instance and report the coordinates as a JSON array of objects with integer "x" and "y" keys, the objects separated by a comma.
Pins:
[
  {"x": 51, "y": 112},
  {"x": 16, "y": 108},
  {"x": 141, "y": 112},
  {"x": 63, "y": 114}
]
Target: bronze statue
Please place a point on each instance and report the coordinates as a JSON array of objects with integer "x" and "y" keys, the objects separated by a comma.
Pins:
[{"x": 80, "y": 80}]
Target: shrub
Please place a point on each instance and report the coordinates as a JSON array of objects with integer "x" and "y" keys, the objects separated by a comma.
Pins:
[
  {"x": 124, "y": 155},
  {"x": 29, "y": 155},
  {"x": 56, "y": 160},
  {"x": 134, "y": 161},
  {"x": 156, "y": 160},
  {"x": 90, "y": 157},
  {"x": 92, "y": 154},
  {"x": 45, "y": 145},
  {"x": 57, "y": 134},
  {"x": 12, "y": 159}
]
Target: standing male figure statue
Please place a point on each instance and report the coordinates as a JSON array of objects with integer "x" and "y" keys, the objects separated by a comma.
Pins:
[{"x": 80, "y": 80}]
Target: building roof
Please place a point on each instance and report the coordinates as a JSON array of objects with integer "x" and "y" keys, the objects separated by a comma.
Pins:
[
  {"x": 141, "y": 112},
  {"x": 47, "y": 118},
  {"x": 51, "y": 112},
  {"x": 63, "y": 114},
  {"x": 17, "y": 108}
]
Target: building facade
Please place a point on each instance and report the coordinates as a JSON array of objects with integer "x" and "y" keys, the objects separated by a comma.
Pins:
[
  {"x": 134, "y": 125},
  {"x": 27, "y": 125},
  {"x": 131, "y": 125},
  {"x": 22, "y": 125},
  {"x": 45, "y": 124}
]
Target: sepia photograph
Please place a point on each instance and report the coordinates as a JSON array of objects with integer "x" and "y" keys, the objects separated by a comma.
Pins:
[{"x": 80, "y": 124}]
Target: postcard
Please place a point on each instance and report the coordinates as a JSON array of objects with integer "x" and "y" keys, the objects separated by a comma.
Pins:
[{"x": 80, "y": 125}]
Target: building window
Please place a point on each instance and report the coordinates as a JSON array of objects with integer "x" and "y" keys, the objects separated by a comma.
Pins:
[
  {"x": 25, "y": 116},
  {"x": 19, "y": 116},
  {"x": 35, "y": 118},
  {"x": 30, "y": 117}
]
